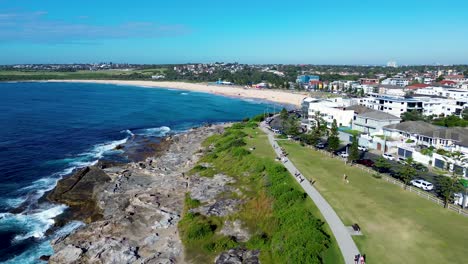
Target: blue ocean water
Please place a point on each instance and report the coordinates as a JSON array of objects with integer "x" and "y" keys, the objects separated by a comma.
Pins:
[{"x": 49, "y": 129}]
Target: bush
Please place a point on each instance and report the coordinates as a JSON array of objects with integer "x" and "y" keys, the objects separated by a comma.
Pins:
[
  {"x": 191, "y": 203},
  {"x": 238, "y": 126},
  {"x": 195, "y": 227},
  {"x": 221, "y": 244}
]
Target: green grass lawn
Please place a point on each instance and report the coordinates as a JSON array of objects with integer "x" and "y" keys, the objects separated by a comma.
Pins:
[
  {"x": 398, "y": 226},
  {"x": 82, "y": 74},
  {"x": 257, "y": 138},
  {"x": 281, "y": 219}
]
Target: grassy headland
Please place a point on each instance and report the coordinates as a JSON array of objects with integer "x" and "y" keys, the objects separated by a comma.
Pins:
[{"x": 285, "y": 224}]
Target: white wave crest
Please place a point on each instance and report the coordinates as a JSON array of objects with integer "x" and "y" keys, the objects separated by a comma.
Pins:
[
  {"x": 33, "y": 224},
  {"x": 154, "y": 132}
]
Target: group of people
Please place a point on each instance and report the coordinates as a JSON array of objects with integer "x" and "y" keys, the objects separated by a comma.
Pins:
[{"x": 360, "y": 259}]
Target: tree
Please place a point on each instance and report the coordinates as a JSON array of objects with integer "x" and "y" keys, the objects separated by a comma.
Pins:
[
  {"x": 412, "y": 115},
  {"x": 319, "y": 128},
  {"x": 333, "y": 139},
  {"x": 292, "y": 124},
  {"x": 440, "y": 78},
  {"x": 407, "y": 172},
  {"x": 353, "y": 150},
  {"x": 284, "y": 114},
  {"x": 447, "y": 186},
  {"x": 465, "y": 114},
  {"x": 382, "y": 165}
]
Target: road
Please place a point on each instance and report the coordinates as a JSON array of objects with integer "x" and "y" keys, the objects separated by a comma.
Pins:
[{"x": 345, "y": 242}]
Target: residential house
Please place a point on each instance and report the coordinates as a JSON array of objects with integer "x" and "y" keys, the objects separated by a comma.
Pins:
[
  {"x": 370, "y": 121},
  {"x": 395, "y": 105}
]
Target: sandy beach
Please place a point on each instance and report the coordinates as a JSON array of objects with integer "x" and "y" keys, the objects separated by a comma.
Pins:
[{"x": 277, "y": 96}]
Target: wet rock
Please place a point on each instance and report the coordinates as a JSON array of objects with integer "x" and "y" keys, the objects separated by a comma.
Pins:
[
  {"x": 140, "y": 206},
  {"x": 44, "y": 258},
  {"x": 79, "y": 192},
  {"x": 238, "y": 256}
]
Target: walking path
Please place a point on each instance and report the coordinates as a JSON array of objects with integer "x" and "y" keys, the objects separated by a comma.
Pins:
[{"x": 345, "y": 242}]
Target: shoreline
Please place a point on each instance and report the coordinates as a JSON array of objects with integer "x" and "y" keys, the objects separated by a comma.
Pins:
[
  {"x": 140, "y": 205},
  {"x": 275, "y": 96}
]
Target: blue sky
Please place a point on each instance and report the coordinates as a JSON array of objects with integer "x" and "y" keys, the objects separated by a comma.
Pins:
[{"x": 246, "y": 31}]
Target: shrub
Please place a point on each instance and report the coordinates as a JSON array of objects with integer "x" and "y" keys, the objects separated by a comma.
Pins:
[
  {"x": 195, "y": 227},
  {"x": 191, "y": 203}
]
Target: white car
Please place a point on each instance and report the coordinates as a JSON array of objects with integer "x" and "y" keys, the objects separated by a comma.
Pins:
[
  {"x": 344, "y": 155},
  {"x": 458, "y": 199},
  {"x": 361, "y": 148},
  {"x": 388, "y": 156},
  {"x": 422, "y": 184}
]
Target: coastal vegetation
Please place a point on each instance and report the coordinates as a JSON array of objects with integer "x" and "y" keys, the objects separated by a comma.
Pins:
[
  {"x": 284, "y": 224},
  {"x": 396, "y": 224}
]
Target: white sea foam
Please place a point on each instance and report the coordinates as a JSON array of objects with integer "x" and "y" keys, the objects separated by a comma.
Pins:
[
  {"x": 154, "y": 132},
  {"x": 183, "y": 93},
  {"x": 68, "y": 228},
  {"x": 34, "y": 224}
]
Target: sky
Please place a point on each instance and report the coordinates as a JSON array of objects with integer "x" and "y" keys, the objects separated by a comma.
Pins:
[{"x": 244, "y": 31}]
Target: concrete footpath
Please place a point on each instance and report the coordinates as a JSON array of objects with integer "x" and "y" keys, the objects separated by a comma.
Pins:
[{"x": 343, "y": 237}]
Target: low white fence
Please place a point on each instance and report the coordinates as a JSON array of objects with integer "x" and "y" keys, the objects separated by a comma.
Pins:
[{"x": 390, "y": 179}]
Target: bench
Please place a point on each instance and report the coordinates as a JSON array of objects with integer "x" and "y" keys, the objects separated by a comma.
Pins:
[{"x": 356, "y": 227}]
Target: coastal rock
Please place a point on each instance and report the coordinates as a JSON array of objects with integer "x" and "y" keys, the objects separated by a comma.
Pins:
[
  {"x": 140, "y": 206},
  {"x": 238, "y": 256},
  {"x": 69, "y": 254},
  {"x": 207, "y": 189},
  {"x": 79, "y": 192},
  {"x": 221, "y": 207},
  {"x": 234, "y": 229}
]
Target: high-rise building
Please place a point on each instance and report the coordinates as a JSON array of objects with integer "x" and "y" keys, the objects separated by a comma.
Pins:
[{"x": 392, "y": 64}]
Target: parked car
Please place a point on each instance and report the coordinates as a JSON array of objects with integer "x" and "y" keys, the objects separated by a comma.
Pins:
[
  {"x": 361, "y": 148},
  {"x": 401, "y": 160},
  {"x": 320, "y": 146},
  {"x": 422, "y": 184},
  {"x": 344, "y": 155},
  {"x": 388, "y": 156},
  {"x": 458, "y": 199},
  {"x": 366, "y": 162}
]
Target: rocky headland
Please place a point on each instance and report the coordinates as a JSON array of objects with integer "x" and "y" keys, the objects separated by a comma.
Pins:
[{"x": 132, "y": 209}]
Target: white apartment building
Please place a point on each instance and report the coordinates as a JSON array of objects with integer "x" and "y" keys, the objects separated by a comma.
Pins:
[
  {"x": 329, "y": 110},
  {"x": 365, "y": 88},
  {"x": 391, "y": 90},
  {"x": 402, "y": 82},
  {"x": 443, "y": 91},
  {"x": 394, "y": 105},
  {"x": 442, "y": 106}
]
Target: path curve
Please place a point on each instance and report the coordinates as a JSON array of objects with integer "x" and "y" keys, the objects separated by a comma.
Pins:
[{"x": 345, "y": 242}]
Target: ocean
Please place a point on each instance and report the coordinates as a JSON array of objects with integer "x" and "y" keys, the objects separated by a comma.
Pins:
[{"x": 49, "y": 129}]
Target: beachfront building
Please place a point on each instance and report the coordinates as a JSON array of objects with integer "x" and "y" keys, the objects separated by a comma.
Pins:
[
  {"x": 369, "y": 121},
  {"x": 304, "y": 79},
  {"x": 394, "y": 105},
  {"x": 422, "y": 133},
  {"x": 329, "y": 109}
]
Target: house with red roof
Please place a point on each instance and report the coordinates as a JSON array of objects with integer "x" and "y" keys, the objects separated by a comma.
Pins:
[{"x": 417, "y": 86}]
